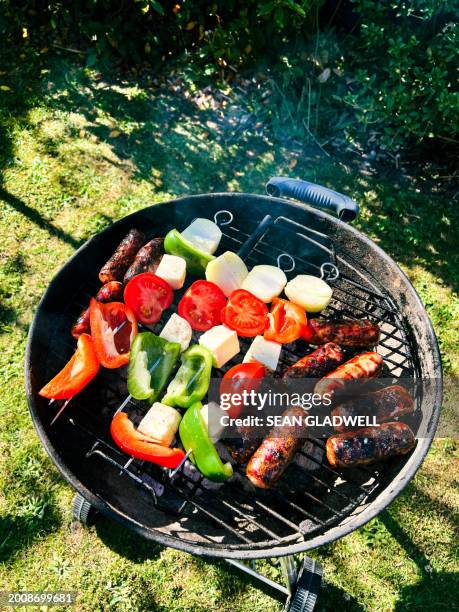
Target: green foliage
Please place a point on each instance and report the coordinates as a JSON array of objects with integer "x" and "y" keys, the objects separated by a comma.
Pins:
[
  {"x": 225, "y": 32},
  {"x": 389, "y": 82},
  {"x": 405, "y": 61}
]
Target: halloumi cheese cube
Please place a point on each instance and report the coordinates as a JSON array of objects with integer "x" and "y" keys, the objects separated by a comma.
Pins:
[
  {"x": 160, "y": 423},
  {"x": 264, "y": 351},
  {"x": 222, "y": 342},
  {"x": 177, "y": 329},
  {"x": 172, "y": 269}
]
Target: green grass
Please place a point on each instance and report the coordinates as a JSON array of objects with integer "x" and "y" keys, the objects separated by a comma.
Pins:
[{"x": 79, "y": 151}]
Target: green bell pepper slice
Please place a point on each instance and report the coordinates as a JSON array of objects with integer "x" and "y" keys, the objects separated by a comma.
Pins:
[
  {"x": 194, "y": 436},
  {"x": 196, "y": 260},
  {"x": 150, "y": 364},
  {"x": 192, "y": 379}
]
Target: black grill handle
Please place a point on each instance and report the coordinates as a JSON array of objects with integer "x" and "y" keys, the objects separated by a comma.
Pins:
[{"x": 310, "y": 193}]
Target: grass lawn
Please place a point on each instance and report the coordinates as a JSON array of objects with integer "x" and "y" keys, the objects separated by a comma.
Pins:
[{"x": 77, "y": 152}]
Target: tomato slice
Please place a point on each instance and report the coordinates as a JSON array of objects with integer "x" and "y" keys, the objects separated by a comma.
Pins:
[
  {"x": 241, "y": 377},
  {"x": 112, "y": 346},
  {"x": 202, "y": 304},
  {"x": 287, "y": 322},
  {"x": 148, "y": 295},
  {"x": 245, "y": 313},
  {"x": 78, "y": 372}
]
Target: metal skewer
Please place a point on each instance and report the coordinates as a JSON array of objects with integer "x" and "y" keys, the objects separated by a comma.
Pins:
[
  {"x": 65, "y": 404},
  {"x": 177, "y": 469},
  {"x": 61, "y": 410}
]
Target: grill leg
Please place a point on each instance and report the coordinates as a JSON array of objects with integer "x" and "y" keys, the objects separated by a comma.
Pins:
[
  {"x": 302, "y": 587},
  {"x": 289, "y": 571}
]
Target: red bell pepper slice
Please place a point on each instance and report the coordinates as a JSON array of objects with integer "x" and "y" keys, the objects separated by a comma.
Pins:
[
  {"x": 241, "y": 377},
  {"x": 78, "y": 372},
  {"x": 136, "y": 444},
  {"x": 287, "y": 322},
  {"x": 112, "y": 348}
]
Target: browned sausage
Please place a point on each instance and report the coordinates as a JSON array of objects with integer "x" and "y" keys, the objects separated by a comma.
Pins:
[
  {"x": 124, "y": 254},
  {"x": 369, "y": 444},
  {"x": 385, "y": 404},
  {"x": 276, "y": 452},
  {"x": 110, "y": 292},
  {"x": 357, "y": 333},
  {"x": 147, "y": 259},
  {"x": 315, "y": 365},
  {"x": 361, "y": 367}
]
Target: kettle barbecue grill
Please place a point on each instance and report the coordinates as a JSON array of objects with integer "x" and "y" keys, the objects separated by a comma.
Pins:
[{"x": 313, "y": 504}]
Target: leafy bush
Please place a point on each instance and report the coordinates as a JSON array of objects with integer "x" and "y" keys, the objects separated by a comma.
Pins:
[
  {"x": 405, "y": 60},
  {"x": 389, "y": 81},
  {"x": 225, "y": 32},
  {"x": 388, "y": 84}
]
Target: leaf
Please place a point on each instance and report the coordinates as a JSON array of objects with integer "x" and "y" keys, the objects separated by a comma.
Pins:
[
  {"x": 5, "y": 88},
  {"x": 324, "y": 76},
  {"x": 266, "y": 9},
  {"x": 157, "y": 6},
  {"x": 114, "y": 134},
  {"x": 190, "y": 25}
]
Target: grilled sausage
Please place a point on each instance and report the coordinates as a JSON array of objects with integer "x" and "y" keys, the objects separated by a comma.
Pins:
[
  {"x": 276, "y": 452},
  {"x": 147, "y": 259},
  {"x": 124, "y": 254},
  {"x": 316, "y": 364},
  {"x": 385, "y": 404},
  {"x": 361, "y": 367},
  {"x": 110, "y": 292},
  {"x": 357, "y": 333},
  {"x": 369, "y": 444}
]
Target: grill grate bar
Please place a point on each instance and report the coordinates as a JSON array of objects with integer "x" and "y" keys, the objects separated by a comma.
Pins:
[
  {"x": 250, "y": 520},
  {"x": 281, "y": 518},
  {"x": 312, "y": 517},
  {"x": 366, "y": 293},
  {"x": 328, "y": 487},
  {"x": 221, "y": 522},
  {"x": 233, "y": 508}
]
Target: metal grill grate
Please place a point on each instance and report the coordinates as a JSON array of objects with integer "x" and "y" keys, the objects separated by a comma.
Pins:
[{"x": 311, "y": 497}]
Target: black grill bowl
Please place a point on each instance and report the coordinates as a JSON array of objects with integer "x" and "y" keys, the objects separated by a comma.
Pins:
[{"x": 312, "y": 505}]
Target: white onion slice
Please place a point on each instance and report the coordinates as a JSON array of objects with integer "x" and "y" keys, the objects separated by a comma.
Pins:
[
  {"x": 204, "y": 234},
  {"x": 265, "y": 282},
  {"x": 228, "y": 271},
  {"x": 311, "y": 293}
]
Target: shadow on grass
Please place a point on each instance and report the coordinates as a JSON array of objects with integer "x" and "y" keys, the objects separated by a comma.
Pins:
[
  {"x": 436, "y": 590},
  {"x": 18, "y": 532},
  {"x": 332, "y": 597},
  {"x": 36, "y": 218},
  {"x": 124, "y": 542}
]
